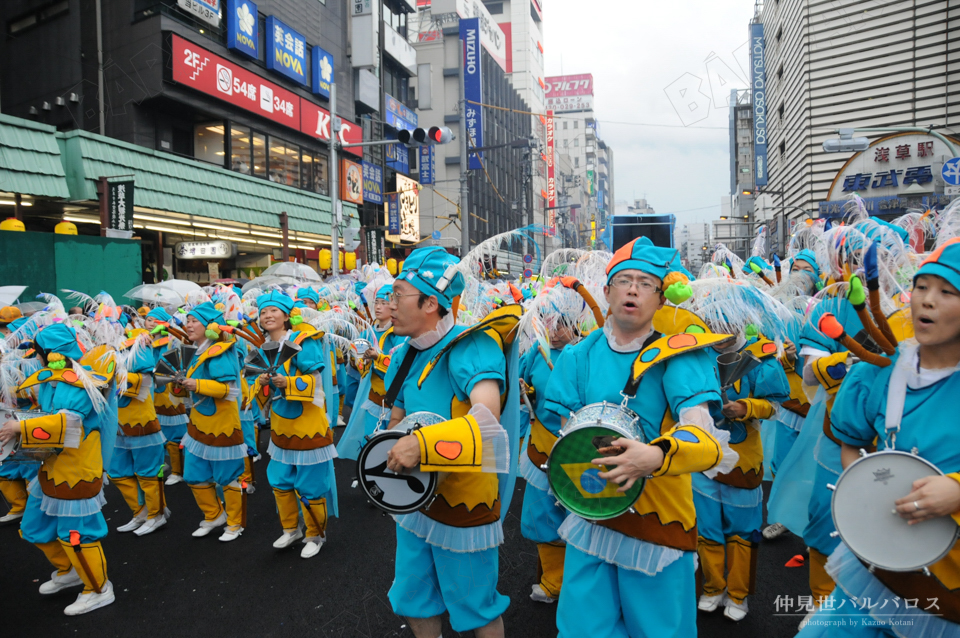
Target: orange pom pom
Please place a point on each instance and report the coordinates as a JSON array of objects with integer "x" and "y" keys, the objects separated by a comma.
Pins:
[
  {"x": 829, "y": 326},
  {"x": 673, "y": 278}
]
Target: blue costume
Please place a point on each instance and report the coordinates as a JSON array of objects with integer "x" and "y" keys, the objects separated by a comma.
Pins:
[{"x": 171, "y": 411}]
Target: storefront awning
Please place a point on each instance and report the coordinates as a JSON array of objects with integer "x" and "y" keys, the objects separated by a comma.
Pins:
[
  {"x": 166, "y": 182},
  {"x": 30, "y": 159}
]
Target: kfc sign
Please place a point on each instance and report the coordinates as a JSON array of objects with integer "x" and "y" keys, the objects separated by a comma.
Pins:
[{"x": 217, "y": 77}]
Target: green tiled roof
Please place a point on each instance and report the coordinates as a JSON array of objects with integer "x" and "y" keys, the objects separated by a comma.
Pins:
[
  {"x": 30, "y": 159},
  {"x": 171, "y": 183}
]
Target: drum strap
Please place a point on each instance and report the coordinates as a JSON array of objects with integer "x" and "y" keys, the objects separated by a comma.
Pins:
[
  {"x": 398, "y": 380},
  {"x": 630, "y": 389}
]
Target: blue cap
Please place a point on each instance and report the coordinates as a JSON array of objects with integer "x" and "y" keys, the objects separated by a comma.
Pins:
[
  {"x": 59, "y": 338},
  {"x": 303, "y": 294},
  {"x": 206, "y": 313},
  {"x": 384, "y": 291},
  {"x": 275, "y": 299},
  {"x": 159, "y": 314},
  {"x": 943, "y": 262},
  {"x": 16, "y": 324},
  {"x": 759, "y": 261},
  {"x": 642, "y": 255},
  {"x": 424, "y": 269},
  {"x": 810, "y": 257},
  {"x": 359, "y": 286}
]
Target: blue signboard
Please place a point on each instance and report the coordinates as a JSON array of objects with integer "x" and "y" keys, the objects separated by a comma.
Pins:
[
  {"x": 473, "y": 86},
  {"x": 951, "y": 172},
  {"x": 321, "y": 71},
  {"x": 398, "y": 158},
  {"x": 393, "y": 214},
  {"x": 372, "y": 183},
  {"x": 759, "y": 85},
  {"x": 398, "y": 115},
  {"x": 286, "y": 51},
  {"x": 427, "y": 168},
  {"x": 242, "y": 27}
]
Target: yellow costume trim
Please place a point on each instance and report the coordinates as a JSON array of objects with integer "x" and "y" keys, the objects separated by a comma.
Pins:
[
  {"x": 451, "y": 446},
  {"x": 215, "y": 350},
  {"x": 210, "y": 388},
  {"x": 691, "y": 450},
  {"x": 673, "y": 320},
  {"x": 44, "y": 431},
  {"x": 756, "y": 409},
  {"x": 134, "y": 383},
  {"x": 824, "y": 365},
  {"x": 762, "y": 348},
  {"x": 669, "y": 346},
  {"x": 293, "y": 391}
]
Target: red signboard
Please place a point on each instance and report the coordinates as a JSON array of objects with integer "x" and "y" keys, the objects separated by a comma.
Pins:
[
  {"x": 551, "y": 179},
  {"x": 209, "y": 73},
  {"x": 567, "y": 85}
]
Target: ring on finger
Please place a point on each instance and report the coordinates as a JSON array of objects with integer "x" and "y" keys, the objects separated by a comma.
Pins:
[{"x": 917, "y": 506}]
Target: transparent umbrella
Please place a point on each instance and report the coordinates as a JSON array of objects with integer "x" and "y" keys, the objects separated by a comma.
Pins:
[
  {"x": 9, "y": 294},
  {"x": 265, "y": 281},
  {"x": 301, "y": 272},
  {"x": 155, "y": 294}
]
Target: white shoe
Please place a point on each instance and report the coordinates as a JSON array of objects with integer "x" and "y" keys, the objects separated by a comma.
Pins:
[
  {"x": 340, "y": 421},
  {"x": 58, "y": 582},
  {"x": 135, "y": 522},
  {"x": 537, "y": 595},
  {"x": 736, "y": 612},
  {"x": 6, "y": 518},
  {"x": 806, "y": 619},
  {"x": 257, "y": 458},
  {"x": 771, "y": 532},
  {"x": 312, "y": 548},
  {"x": 251, "y": 488},
  {"x": 173, "y": 479},
  {"x": 230, "y": 535},
  {"x": 151, "y": 525},
  {"x": 710, "y": 603},
  {"x": 207, "y": 527},
  {"x": 91, "y": 601},
  {"x": 288, "y": 539}
]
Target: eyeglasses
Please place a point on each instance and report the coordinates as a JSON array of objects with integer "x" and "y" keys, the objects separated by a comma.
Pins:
[
  {"x": 394, "y": 297},
  {"x": 625, "y": 283}
]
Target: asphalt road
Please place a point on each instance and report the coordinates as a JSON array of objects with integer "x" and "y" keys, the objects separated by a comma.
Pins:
[{"x": 168, "y": 583}]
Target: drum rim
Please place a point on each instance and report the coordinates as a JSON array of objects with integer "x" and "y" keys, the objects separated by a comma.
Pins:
[
  {"x": 833, "y": 516},
  {"x": 636, "y": 418},
  {"x": 361, "y": 480}
]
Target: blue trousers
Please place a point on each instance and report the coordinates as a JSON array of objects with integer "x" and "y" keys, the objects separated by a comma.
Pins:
[
  {"x": 601, "y": 599},
  {"x": 197, "y": 470},
  {"x": 784, "y": 438},
  {"x": 820, "y": 525},
  {"x": 144, "y": 461},
  {"x": 541, "y": 517},
  {"x": 430, "y": 580},
  {"x": 39, "y": 527},
  {"x": 311, "y": 481}
]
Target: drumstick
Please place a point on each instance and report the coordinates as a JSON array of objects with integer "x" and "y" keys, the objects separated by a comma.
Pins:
[
  {"x": 829, "y": 326},
  {"x": 306, "y": 503},
  {"x": 256, "y": 328},
  {"x": 872, "y": 271},
  {"x": 856, "y": 292}
]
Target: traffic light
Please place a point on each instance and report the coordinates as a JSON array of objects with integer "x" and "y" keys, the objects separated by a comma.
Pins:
[
  {"x": 351, "y": 239},
  {"x": 426, "y": 137}
]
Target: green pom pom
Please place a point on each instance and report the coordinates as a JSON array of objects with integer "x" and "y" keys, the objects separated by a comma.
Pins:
[
  {"x": 751, "y": 331},
  {"x": 212, "y": 335},
  {"x": 755, "y": 267},
  {"x": 157, "y": 330},
  {"x": 678, "y": 293},
  {"x": 296, "y": 320},
  {"x": 57, "y": 365},
  {"x": 233, "y": 322},
  {"x": 352, "y": 304},
  {"x": 856, "y": 295}
]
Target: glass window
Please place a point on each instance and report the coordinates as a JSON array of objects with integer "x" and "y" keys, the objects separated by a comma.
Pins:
[
  {"x": 284, "y": 165},
  {"x": 259, "y": 154},
  {"x": 576, "y": 141},
  {"x": 240, "y": 149},
  {"x": 314, "y": 168},
  {"x": 565, "y": 125},
  {"x": 208, "y": 142},
  {"x": 576, "y": 162},
  {"x": 566, "y": 143},
  {"x": 576, "y": 124}
]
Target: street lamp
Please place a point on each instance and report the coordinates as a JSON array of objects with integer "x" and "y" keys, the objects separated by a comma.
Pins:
[{"x": 847, "y": 143}]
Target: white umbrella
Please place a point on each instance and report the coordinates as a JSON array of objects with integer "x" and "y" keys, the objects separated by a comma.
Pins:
[
  {"x": 155, "y": 294},
  {"x": 181, "y": 286},
  {"x": 265, "y": 281},
  {"x": 9, "y": 294},
  {"x": 301, "y": 272}
]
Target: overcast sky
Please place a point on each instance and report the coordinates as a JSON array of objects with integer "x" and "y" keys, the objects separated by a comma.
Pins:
[{"x": 636, "y": 50}]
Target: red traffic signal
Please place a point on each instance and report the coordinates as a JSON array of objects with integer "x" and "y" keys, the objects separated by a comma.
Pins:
[{"x": 424, "y": 137}]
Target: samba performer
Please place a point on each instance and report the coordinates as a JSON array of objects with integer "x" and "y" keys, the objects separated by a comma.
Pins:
[
  {"x": 137, "y": 464},
  {"x": 301, "y": 439},
  {"x": 171, "y": 410},
  {"x": 63, "y": 516},
  {"x": 729, "y": 505},
  {"x": 633, "y": 575},
  {"x": 900, "y": 407},
  {"x": 214, "y": 442},
  {"x": 447, "y": 553},
  {"x": 561, "y": 313}
]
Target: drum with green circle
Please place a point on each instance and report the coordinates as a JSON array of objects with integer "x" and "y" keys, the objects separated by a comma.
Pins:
[{"x": 574, "y": 480}]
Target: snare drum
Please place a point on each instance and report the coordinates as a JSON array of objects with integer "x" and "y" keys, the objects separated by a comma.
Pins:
[
  {"x": 395, "y": 493},
  {"x": 864, "y": 513},
  {"x": 574, "y": 480}
]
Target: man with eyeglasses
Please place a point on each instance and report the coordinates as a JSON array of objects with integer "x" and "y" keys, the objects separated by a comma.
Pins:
[
  {"x": 633, "y": 575},
  {"x": 447, "y": 556}
]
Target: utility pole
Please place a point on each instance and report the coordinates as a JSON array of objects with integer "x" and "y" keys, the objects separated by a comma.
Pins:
[
  {"x": 464, "y": 166},
  {"x": 335, "y": 214}
]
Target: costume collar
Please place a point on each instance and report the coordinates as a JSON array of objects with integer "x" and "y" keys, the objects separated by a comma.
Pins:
[
  {"x": 917, "y": 377},
  {"x": 616, "y": 346},
  {"x": 432, "y": 338}
]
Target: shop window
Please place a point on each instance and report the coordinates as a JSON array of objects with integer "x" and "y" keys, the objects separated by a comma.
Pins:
[
  {"x": 182, "y": 141},
  {"x": 240, "y": 153},
  {"x": 576, "y": 162},
  {"x": 314, "y": 169},
  {"x": 208, "y": 142},
  {"x": 259, "y": 154},
  {"x": 284, "y": 166},
  {"x": 576, "y": 124}
]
